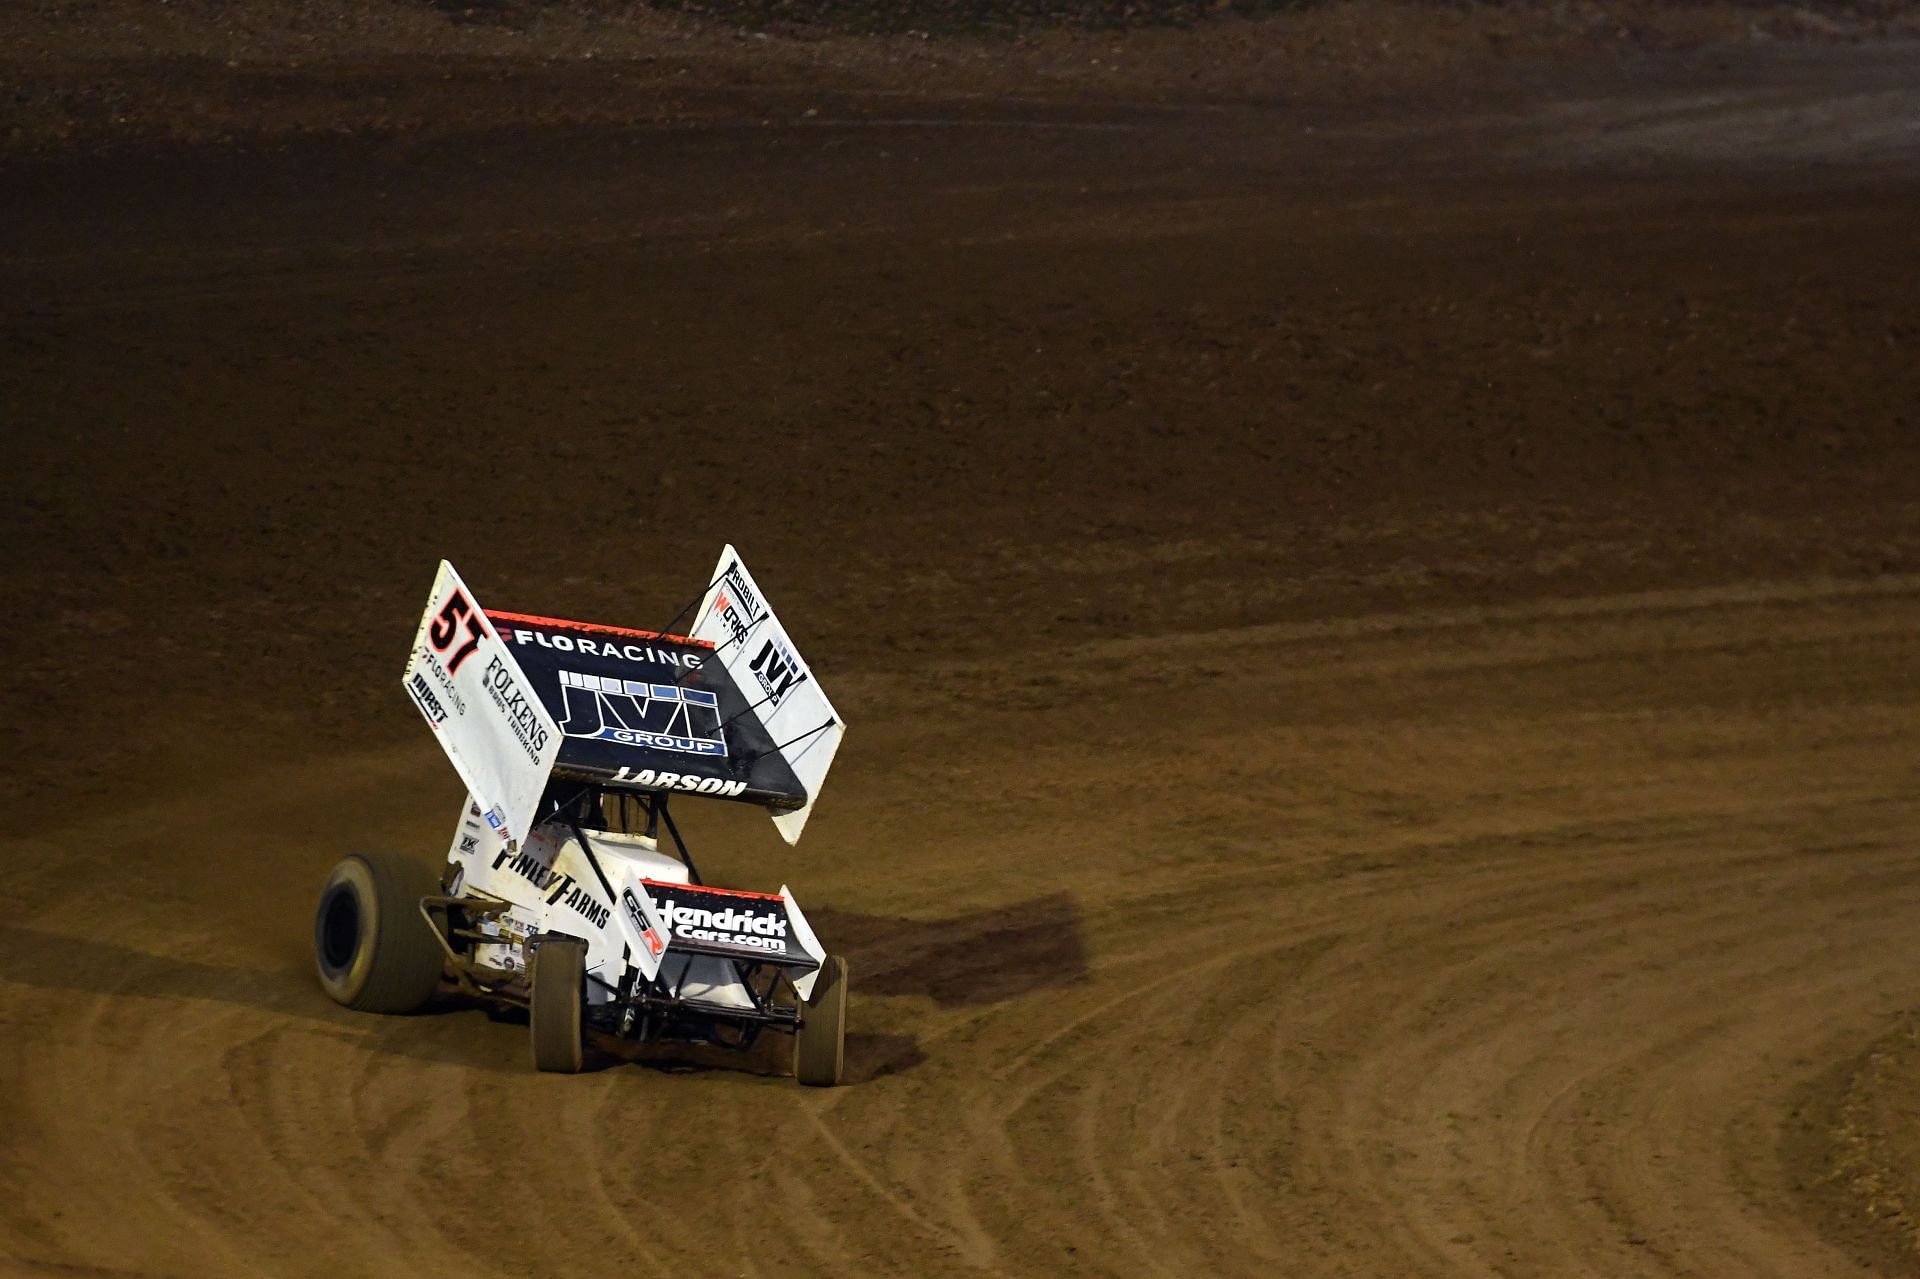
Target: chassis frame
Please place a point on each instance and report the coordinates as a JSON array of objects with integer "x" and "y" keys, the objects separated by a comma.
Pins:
[{"x": 636, "y": 1010}]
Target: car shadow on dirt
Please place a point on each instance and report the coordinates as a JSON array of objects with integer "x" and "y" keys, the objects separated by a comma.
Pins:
[
  {"x": 482, "y": 1038},
  {"x": 83, "y": 966},
  {"x": 984, "y": 957}
]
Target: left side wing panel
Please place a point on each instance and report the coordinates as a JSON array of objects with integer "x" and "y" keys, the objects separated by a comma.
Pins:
[{"x": 466, "y": 684}]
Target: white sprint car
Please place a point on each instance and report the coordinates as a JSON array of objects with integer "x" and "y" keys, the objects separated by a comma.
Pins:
[{"x": 557, "y": 895}]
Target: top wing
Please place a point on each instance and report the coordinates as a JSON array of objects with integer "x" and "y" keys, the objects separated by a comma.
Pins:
[
  {"x": 730, "y": 710},
  {"x": 651, "y": 711}
]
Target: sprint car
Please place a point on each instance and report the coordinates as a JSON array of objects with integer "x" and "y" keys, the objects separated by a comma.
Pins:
[{"x": 567, "y": 889}]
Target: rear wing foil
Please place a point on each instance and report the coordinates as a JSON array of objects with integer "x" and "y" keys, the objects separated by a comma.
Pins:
[
  {"x": 753, "y": 648},
  {"x": 729, "y": 924},
  {"x": 482, "y": 708}
]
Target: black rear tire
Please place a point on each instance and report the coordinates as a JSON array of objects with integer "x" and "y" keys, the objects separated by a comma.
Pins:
[
  {"x": 373, "y": 951},
  {"x": 820, "y": 1045},
  {"x": 559, "y": 981}
]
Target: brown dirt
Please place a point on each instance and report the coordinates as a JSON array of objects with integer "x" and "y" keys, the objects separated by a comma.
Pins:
[
  {"x": 1379, "y": 640},
  {"x": 1856, "y": 1131}
]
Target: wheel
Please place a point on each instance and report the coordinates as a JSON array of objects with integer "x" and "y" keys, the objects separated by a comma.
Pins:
[
  {"x": 373, "y": 951},
  {"x": 559, "y": 992},
  {"x": 820, "y": 1045}
]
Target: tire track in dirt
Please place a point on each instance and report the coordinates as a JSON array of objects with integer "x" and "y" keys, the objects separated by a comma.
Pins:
[{"x": 1655, "y": 919}]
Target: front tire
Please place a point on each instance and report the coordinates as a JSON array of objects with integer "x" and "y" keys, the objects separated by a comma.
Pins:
[
  {"x": 559, "y": 981},
  {"x": 820, "y": 1045},
  {"x": 373, "y": 951}
]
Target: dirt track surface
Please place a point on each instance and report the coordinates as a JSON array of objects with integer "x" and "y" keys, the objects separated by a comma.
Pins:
[{"x": 1379, "y": 651}]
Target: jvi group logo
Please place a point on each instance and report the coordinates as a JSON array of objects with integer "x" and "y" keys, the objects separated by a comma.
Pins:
[{"x": 662, "y": 716}]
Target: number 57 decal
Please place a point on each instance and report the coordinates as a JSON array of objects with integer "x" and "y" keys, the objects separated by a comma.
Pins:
[{"x": 446, "y": 629}]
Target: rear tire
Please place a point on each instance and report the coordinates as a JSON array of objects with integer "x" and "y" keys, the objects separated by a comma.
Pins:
[
  {"x": 373, "y": 951},
  {"x": 820, "y": 1045},
  {"x": 559, "y": 982}
]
